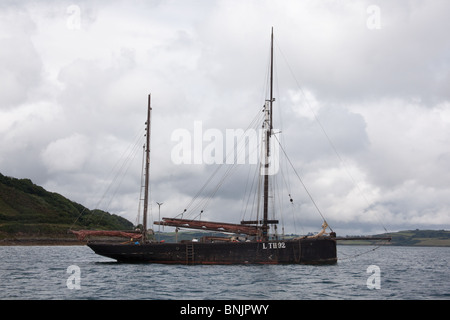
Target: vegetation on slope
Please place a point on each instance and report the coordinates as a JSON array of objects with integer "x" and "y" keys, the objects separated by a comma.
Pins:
[
  {"x": 421, "y": 238},
  {"x": 400, "y": 238},
  {"x": 27, "y": 209}
]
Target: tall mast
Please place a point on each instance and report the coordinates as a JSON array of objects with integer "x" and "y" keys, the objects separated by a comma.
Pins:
[
  {"x": 268, "y": 125},
  {"x": 271, "y": 79},
  {"x": 147, "y": 169}
]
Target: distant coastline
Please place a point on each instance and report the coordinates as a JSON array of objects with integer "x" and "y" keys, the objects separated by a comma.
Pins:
[
  {"x": 31, "y": 215},
  {"x": 41, "y": 242},
  {"x": 422, "y": 238}
]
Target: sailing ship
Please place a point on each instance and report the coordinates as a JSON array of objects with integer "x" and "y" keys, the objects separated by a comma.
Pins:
[{"x": 257, "y": 248}]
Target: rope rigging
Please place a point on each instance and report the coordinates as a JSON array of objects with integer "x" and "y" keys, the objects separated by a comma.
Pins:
[
  {"x": 303, "y": 184},
  {"x": 198, "y": 202},
  {"x": 316, "y": 118},
  {"x": 117, "y": 175},
  {"x": 252, "y": 201}
]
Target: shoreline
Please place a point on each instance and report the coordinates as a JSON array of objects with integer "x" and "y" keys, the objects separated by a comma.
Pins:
[
  {"x": 75, "y": 242},
  {"x": 41, "y": 242}
]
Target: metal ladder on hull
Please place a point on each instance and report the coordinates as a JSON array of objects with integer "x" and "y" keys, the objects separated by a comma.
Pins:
[{"x": 189, "y": 253}]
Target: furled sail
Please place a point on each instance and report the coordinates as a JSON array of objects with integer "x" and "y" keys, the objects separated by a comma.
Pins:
[
  {"x": 207, "y": 225},
  {"x": 82, "y": 234}
]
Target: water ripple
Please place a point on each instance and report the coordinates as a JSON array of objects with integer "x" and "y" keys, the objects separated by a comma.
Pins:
[{"x": 40, "y": 272}]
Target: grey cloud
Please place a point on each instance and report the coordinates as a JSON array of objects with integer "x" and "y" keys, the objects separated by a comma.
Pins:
[
  {"x": 20, "y": 70},
  {"x": 381, "y": 95}
]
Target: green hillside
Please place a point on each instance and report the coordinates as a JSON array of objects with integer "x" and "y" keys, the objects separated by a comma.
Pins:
[
  {"x": 425, "y": 238},
  {"x": 429, "y": 238},
  {"x": 421, "y": 238},
  {"x": 28, "y": 210}
]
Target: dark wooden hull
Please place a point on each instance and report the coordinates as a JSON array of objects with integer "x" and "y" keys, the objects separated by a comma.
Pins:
[{"x": 302, "y": 251}]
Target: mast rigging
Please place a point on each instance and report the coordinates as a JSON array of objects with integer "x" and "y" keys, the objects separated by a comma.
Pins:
[
  {"x": 147, "y": 169},
  {"x": 269, "y": 126}
]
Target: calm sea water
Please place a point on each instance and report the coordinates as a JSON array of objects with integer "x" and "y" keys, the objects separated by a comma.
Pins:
[{"x": 75, "y": 272}]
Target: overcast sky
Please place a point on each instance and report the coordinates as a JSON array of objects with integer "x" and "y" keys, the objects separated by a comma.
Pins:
[{"x": 362, "y": 94}]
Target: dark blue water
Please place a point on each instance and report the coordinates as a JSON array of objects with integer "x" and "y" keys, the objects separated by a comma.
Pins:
[{"x": 75, "y": 272}]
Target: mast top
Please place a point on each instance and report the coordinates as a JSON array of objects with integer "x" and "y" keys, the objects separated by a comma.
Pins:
[{"x": 147, "y": 169}]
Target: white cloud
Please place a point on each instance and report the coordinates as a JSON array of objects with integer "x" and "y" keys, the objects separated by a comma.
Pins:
[
  {"x": 66, "y": 154},
  {"x": 20, "y": 72},
  {"x": 407, "y": 141}
]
